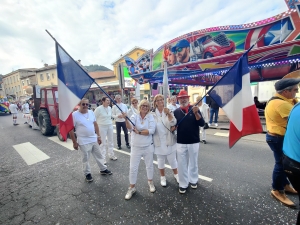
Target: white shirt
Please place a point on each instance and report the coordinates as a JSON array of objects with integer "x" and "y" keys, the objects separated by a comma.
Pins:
[
  {"x": 147, "y": 123},
  {"x": 103, "y": 115},
  {"x": 25, "y": 108},
  {"x": 13, "y": 108},
  {"x": 132, "y": 111},
  {"x": 173, "y": 107},
  {"x": 116, "y": 112},
  {"x": 204, "y": 111},
  {"x": 84, "y": 125}
]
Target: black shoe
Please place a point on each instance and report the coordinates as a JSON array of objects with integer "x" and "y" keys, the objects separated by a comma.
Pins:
[
  {"x": 104, "y": 172},
  {"x": 119, "y": 147},
  {"x": 182, "y": 190},
  {"x": 128, "y": 146},
  {"x": 194, "y": 186},
  {"x": 204, "y": 142},
  {"x": 88, "y": 178}
]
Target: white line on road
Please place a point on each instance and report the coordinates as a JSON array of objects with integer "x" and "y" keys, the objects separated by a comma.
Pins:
[
  {"x": 222, "y": 134},
  {"x": 30, "y": 153},
  {"x": 68, "y": 144}
]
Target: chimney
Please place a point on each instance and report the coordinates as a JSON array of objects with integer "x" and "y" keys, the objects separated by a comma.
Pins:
[{"x": 45, "y": 65}]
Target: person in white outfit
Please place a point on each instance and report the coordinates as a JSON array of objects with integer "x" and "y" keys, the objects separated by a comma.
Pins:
[
  {"x": 104, "y": 121},
  {"x": 88, "y": 138},
  {"x": 133, "y": 108},
  {"x": 142, "y": 145},
  {"x": 173, "y": 106},
  {"x": 26, "y": 112},
  {"x": 204, "y": 109},
  {"x": 14, "y": 112},
  {"x": 120, "y": 121},
  {"x": 163, "y": 139}
]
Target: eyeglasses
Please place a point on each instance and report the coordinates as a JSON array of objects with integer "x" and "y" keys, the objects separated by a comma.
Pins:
[
  {"x": 159, "y": 100},
  {"x": 134, "y": 103},
  {"x": 178, "y": 50},
  {"x": 146, "y": 106},
  {"x": 85, "y": 104}
]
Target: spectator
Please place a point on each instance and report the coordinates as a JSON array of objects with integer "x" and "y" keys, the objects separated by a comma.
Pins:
[
  {"x": 14, "y": 111},
  {"x": 258, "y": 104},
  {"x": 204, "y": 109},
  {"x": 173, "y": 106},
  {"x": 214, "y": 110}
]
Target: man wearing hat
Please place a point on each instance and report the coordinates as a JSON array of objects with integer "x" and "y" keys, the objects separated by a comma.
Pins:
[
  {"x": 182, "y": 51},
  {"x": 276, "y": 113},
  {"x": 188, "y": 140}
]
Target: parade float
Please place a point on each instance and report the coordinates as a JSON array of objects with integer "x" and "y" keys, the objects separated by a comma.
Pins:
[{"x": 202, "y": 57}]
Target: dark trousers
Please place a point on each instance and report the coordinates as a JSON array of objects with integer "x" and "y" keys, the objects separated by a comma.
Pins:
[
  {"x": 125, "y": 131},
  {"x": 292, "y": 171},
  {"x": 279, "y": 178},
  {"x": 212, "y": 113}
]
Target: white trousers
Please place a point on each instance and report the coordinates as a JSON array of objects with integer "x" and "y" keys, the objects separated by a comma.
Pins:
[
  {"x": 187, "y": 157},
  {"x": 86, "y": 153},
  {"x": 106, "y": 133},
  {"x": 135, "y": 157},
  {"x": 161, "y": 159},
  {"x": 203, "y": 133}
]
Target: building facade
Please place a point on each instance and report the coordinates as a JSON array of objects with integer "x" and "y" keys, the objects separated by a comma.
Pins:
[{"x": 46, "y": 76}]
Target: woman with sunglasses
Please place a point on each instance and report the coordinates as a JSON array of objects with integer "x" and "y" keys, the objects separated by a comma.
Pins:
[
  {"x": 164, "y": 139},
  {"x": 133, "y": 108},
  {"x": 103, "y": 117},
  {"x": 141, "y": 145}
]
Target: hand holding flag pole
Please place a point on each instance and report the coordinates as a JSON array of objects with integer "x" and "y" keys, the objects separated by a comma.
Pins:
[{"x": 73, "y": 83}]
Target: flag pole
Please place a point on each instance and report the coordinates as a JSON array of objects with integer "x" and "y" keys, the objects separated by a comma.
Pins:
[
  {"x": 91, "y": 79},
  {"x": 246, "y": 52}
]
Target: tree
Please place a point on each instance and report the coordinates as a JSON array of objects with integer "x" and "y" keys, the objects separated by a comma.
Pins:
[{"x": 96, "y": 67}]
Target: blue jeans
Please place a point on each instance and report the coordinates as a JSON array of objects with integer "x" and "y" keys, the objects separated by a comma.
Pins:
[
  {"x": 212, "y": 112},
  {"x": 279, "y": 177}
]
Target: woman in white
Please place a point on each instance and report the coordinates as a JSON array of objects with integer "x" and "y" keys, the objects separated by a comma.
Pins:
[
  {"x": 133, "y": 108},
  {"x": 173, "y": 106},
  {"x": 104, "y": 121},
  {"x": 141, "y": 145},
  {"x": 204, "y": 109},
  {"x": 26, "y": 112},
  {"x": 164, "y": 140}
]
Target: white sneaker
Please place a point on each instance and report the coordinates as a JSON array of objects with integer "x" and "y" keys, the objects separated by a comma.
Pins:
[
  {"x": 129, "y": 193},
  {"x": 114, "y": 158},
  {"x": 163, "y": 181},
  {"x": 209, "y": 124},
  {"x": 216, "y": 124},
  {"x": 176, "y": 177},
  {"x": 151, "y": 186}
]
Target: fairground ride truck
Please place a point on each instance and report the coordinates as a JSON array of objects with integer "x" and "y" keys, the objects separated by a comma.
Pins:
[{"x": 45, "y": 109}]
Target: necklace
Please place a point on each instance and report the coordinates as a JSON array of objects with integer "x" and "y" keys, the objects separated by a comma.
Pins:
[
  {"x": 106, "y": 110},
  {"x": 183, "y": 112},
  {"x": 87, "y": 118},
  {"x": 142, "y": 122}
]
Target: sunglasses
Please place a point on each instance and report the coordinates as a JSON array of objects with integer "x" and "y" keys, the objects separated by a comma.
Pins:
[
  {"x": 85, "y": 104},
  {"x": 178, "y": 50},
  {"x": 146, "y": 106}
]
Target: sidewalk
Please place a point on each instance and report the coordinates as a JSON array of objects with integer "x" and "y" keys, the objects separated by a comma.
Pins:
[{"x": 223, "y": 123}]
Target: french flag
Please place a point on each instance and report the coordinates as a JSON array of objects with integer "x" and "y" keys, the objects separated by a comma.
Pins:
[
  {"x": 73, "y": 83},
  {"x": 233, "y": 94}
]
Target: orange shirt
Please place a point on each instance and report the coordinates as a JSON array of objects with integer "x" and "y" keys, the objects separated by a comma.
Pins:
[{"x": 277, "y": 112}]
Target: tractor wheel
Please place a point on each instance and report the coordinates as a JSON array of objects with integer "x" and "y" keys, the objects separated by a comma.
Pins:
[
  {"x": 60, "y": 137},
  {"x": 45, "y": 122}
]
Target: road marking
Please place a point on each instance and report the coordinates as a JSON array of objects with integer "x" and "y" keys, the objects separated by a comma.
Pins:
[
  {"x": 222, "y": 134},
  {"x": 30, "y": 153},
  {"x": 68, "y": 144}
]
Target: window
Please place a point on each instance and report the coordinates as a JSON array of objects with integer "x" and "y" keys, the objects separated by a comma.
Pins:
[
  {"x": 41, "y": 77},
  {"x": 23, "y": 83},
  {"x": 43, "y": 96},
  {"x": 27, "y": 81},
  {"x": 17, "y": 77},
  {"x": 19, "y": 88},
  {"x": 195, "y": 97},
  {"x": 50, "y": 97},
  {"x": 52, "y": 75},
  {"x": 10, "y": 80},
  {"x": 48, "y": 76},
  {"x": 14, "y": 79}
]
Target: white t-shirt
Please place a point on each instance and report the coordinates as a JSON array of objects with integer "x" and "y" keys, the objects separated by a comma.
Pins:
[
  {"x": 25, "y": 108},
  {"x": 103, "y": 115},
  {"x": 13, "y": 108},
  {"x": 116, "y": 112},
  {"x": 84, "y": 125},
  {"x": 147, "y": 123}
]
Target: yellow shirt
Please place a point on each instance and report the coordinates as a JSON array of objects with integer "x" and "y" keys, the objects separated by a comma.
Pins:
[{"x": 277, "y": 112}]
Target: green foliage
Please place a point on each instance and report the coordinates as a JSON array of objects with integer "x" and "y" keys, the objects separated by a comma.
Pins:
[{"x": 96, "y": 67}]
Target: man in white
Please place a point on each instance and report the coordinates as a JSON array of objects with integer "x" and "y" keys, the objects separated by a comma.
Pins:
[
  {"x": 26, "y": 111},
  {"x": 173, "y": 106},
  {"x": 204, "y": 109},
  {"x": 88, "y": 138},
  {"x": 103, "y": 118},
  {"x": 14, "y": 111},
  {"x": 120, "y": 121}
]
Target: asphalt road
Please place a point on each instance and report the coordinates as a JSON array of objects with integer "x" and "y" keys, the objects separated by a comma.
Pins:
[{"x": 53, "y": 191}]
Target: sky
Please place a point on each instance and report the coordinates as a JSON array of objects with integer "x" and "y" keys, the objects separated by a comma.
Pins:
[{"x": 99, "y": 31}]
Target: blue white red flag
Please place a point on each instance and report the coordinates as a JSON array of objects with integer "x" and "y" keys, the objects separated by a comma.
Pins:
[
  {"x": 73, "y": 83},
  {"x": 233, "y": 94}
]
